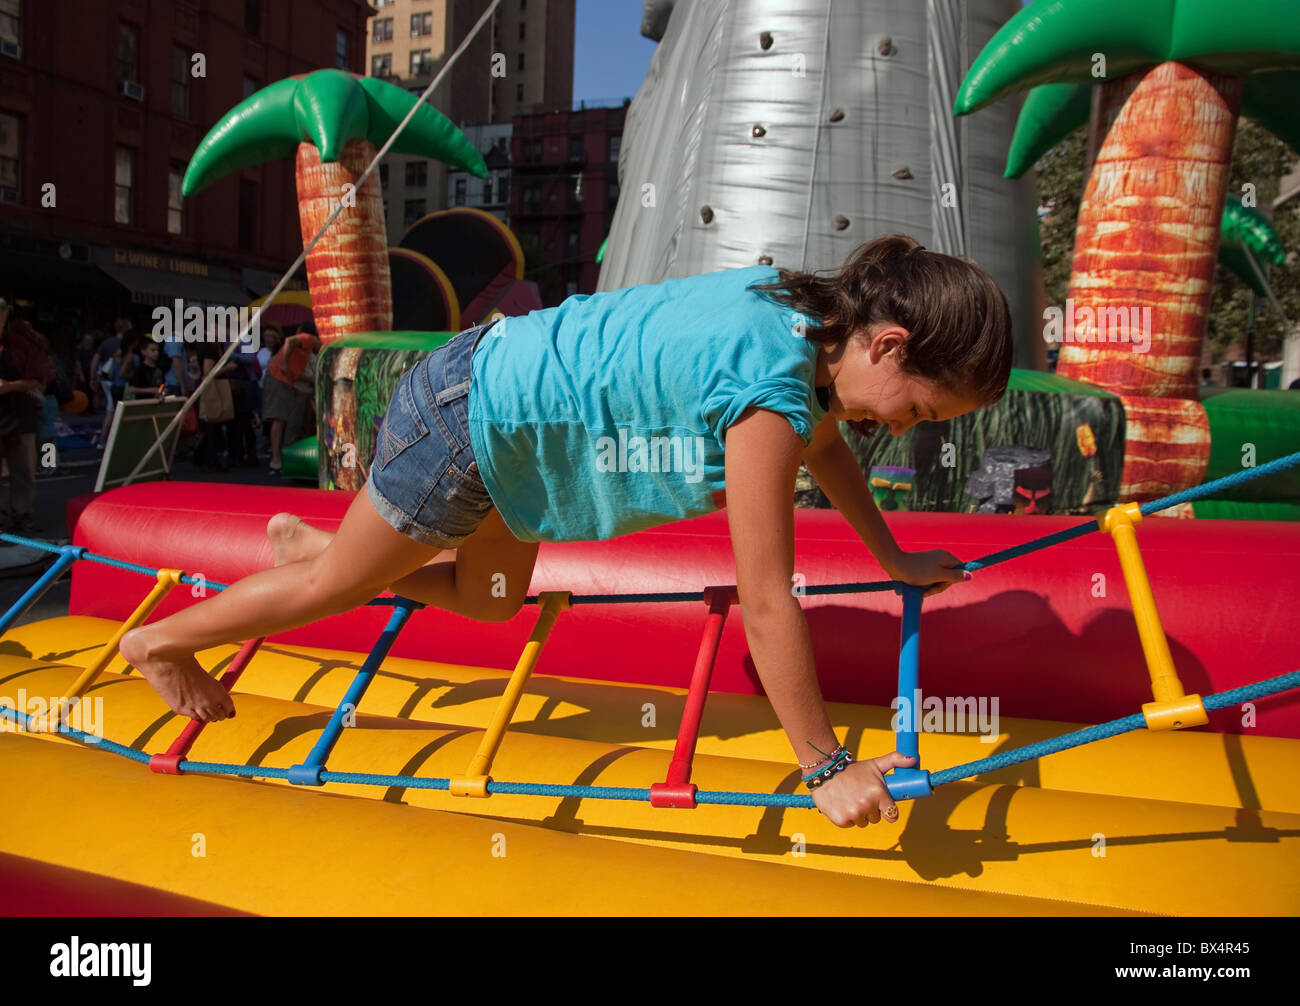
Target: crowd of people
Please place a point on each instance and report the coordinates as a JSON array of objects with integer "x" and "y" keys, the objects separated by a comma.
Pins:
[{"x": 272, "y": 392}]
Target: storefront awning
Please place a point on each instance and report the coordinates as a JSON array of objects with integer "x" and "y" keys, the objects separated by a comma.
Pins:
[
  {"x": 19, "y": 272},
  {"x": 156, "y": 287}
]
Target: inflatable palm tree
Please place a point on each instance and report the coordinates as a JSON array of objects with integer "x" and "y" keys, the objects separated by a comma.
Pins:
[
  {"x": 1173, "y": 77},
  {"x": 335, "y": 122}
]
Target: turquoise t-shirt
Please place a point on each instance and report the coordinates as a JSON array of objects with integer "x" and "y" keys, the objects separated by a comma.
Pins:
[{"x": 607, "y": 414}]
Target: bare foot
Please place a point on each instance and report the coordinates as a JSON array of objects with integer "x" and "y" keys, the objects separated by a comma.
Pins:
[
  {"x": 182, "y": 683},
  {"x": 293, "y": 539}
]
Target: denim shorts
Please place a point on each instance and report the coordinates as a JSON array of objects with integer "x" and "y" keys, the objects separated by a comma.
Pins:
[{"x": 424, "y": 480}]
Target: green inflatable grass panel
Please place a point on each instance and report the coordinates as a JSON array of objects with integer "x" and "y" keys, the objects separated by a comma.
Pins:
[
  {"x": 395, "y": 340},
  {"x": 1216, "y": 509},
  {"x": 298, "y": 460},
  {"x": 1270, "y": 420},
  {"x": 1038, "y": 380}
]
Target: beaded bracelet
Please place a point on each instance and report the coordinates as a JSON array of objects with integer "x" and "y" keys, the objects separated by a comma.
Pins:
[
  {"x": 820, "y": 778},
  {"x": 823, "y": 760}
]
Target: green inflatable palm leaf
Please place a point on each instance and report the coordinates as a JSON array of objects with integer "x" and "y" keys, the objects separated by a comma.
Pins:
[{"x": 328, "y": 108}]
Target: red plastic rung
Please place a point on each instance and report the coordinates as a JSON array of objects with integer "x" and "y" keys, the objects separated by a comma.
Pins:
[
  {"x": 672, "y": 794},
  {"x": 168, "y": 764}
]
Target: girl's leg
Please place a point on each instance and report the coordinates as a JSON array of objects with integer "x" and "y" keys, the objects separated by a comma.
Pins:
[
  {"x": 362, "y": 559},
  {"x": 277, "y": 438},
  {"x": 487, "y": 578}
]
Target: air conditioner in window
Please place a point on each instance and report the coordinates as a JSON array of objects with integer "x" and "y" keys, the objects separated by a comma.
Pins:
[
  {"x": 10, "y": 48},
  {"x": 130, "y": 89}
]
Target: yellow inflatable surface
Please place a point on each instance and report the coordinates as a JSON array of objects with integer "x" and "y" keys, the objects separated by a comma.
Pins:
[{"x": 1179, "y": 822}]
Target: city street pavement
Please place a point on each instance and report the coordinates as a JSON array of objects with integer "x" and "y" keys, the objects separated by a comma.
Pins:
[{"x": 74, "y": 476}]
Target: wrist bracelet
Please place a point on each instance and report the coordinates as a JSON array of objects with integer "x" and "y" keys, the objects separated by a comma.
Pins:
[
  {"x": 823, "y": 760},
  {"x": 820, "y": 778}
]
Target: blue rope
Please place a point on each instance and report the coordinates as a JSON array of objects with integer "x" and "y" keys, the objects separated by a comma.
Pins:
[
  {"x": 1029, "y": 752},
  {"x": 664, "y": 597},
  {"x": 1227, "y": 482}
]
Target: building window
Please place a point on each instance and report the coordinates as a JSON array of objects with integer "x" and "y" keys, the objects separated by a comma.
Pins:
[
  {"x": 572, "y": 238},
  {"x": 521, "y": 31},
  {"x": 521, "y": 61},
  {"x": 532, "y": 151},
  {"x": 383, "y": 30},
  {"x": 123, "y": 181},
  {"x": 180, "y": 82},
  {"x": 503, "y": 189},
  {"x": 128, "y": 45},
  {"x": 460, "y": 192},
  {"x": 614, "y": 143},
  {"x": 412, "y": 211},
  {"x": 421, "y": 25},
  {"x": 253, "y": 17},
  {"x": 384, "y": 3},
  {"x": 11, "y": 22},
  {"x": 175, "y": 206},
  {"x": 421, "y": 62},
  {"x": 10, "y": 157},
  {"x": 342, "y": 47},
  {"x": 519, "y": 92},
  {"x": 381, "y": 66},
  {"x": 247, "y": 212},
  {"x": 487, "y": 190},
  {"x": 251, "y": 84},
  {"x": 532, "y": 197},
  {"x": 417, "y": 174},
  {"x": 575, "y": 148},
  {"x": 383, "y": 176}
]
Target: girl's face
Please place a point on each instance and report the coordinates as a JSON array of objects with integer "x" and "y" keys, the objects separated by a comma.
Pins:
[
  {"x": 868, "y": 390},
  {"x": 150, "y": 352}
]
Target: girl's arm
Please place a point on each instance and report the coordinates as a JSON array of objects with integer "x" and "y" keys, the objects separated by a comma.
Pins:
[
  {"x": 762, "y": 456},
  {"x": 832, "y": 464}
]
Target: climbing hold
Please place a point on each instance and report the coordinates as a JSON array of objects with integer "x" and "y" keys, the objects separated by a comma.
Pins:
[
  {"x": 758, "y": 131},
  {"x": 841, "y": 222},
  {"x": 706, "y": 214},
  {"x": 886, "y": 46},
  {"x": 765, "y": 41},
  {"x": 765, "y": 260},
  {"x": 902, "y": 172},
  {"x": 837, "y": 114}
]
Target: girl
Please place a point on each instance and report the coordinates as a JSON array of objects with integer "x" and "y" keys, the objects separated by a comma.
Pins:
[{"x": 517, "y": 433}]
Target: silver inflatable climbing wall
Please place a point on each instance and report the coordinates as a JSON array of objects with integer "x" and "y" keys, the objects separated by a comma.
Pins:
[{"x": 791, "y": 131}]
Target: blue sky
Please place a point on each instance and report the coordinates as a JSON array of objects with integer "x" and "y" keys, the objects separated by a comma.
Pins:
[{"x": 610, "y": 57}]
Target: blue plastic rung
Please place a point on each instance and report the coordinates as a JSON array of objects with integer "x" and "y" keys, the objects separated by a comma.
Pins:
[
  {"x": 68, "y": 554},
  {"x": 309, "y": 772},
  {"x": 905, "y": 783}
]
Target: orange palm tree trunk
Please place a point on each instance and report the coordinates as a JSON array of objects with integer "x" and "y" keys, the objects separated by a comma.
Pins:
[
  {"x": 351, "y": 290},
  {"x": 1148, "y": 238}
]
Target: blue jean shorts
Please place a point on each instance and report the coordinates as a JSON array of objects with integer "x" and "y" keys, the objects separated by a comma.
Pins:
[{"x": 424, "y": 480}]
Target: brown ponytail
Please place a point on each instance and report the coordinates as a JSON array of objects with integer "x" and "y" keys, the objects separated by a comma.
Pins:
[{"x": 958, "y": 320}]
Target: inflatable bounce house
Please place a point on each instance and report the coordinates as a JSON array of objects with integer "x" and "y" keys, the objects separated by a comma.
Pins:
[{"x": 1105, "y": 718}]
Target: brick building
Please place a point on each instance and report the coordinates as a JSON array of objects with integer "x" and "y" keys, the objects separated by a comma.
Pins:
[
  {"x": 101, "y": 107},
  {"x": 520, "y": 62},
  {"x": 562, "y": 197}
]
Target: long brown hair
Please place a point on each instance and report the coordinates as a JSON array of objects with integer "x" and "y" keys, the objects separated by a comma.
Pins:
[{"x": 957, "y": 319}]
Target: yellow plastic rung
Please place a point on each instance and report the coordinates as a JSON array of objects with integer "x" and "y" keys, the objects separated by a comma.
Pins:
[
  {"x": 1172, "y": 707},
  {"x": 474, "y": 781},
  {"x": 167, "y": 579},
  {"x": 1175, "y": 714}
]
